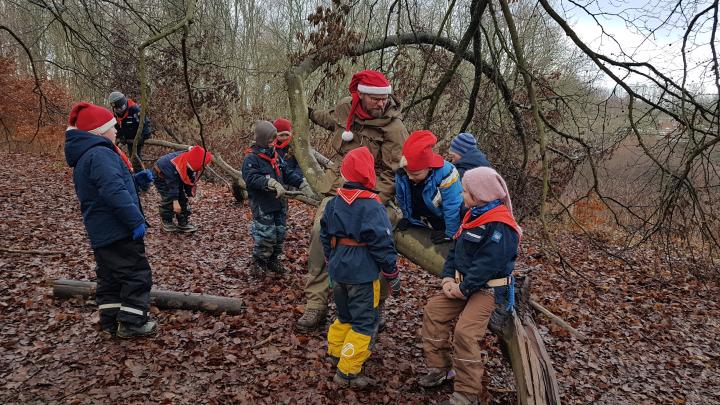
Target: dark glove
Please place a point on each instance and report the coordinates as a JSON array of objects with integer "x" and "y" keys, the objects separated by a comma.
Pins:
[
  {"x": 403, "y": 224},
  {"x": 139, "y": 232},
  {"x": 310, "y": 113},
  {"x": 395, "y": 285},
  {"x": 439, "y": 237},
  {"x": 143, "y": 178}
]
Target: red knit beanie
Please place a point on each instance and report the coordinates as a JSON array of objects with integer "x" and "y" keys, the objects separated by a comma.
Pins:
[
  {"x": 417, "y": 152},
  {"x": 366, "y": 82},
  {"x": 282, "y": 125},
  {"x": 195, "y": 157},
  {"x": 358, "y": 166},
  {"x": 91, "y": 118}
]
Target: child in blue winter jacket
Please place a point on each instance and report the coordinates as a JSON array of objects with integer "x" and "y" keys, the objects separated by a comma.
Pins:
[
  {"x": 357, "y": 242},
  {"x": 476, "y": 279},
  {"x": 114, "y": 220},
  {"x": 428, "y": 188},
  {"x": 265, "y": 174}
]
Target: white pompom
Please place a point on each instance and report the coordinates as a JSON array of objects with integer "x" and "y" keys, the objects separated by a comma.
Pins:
[{"x": 347, "y": 136}]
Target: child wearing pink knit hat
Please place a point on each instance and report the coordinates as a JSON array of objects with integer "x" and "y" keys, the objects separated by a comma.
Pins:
[{"x": 476, "y": 277}]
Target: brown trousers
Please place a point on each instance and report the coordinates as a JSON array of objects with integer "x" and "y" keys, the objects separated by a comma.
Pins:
[{"x": 468, "y": 359}]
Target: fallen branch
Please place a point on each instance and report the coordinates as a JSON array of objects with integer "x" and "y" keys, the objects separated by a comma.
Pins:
[
  {"x": 558, "y": 321},
  {"x": 31, "y": 252},
  {"x": 65, "y": 289},
  {"x": 264, "y": 341}
]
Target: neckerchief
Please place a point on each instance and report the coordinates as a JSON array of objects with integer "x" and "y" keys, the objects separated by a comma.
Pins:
[
  {"x": 181, "y": 166},
  {"x": 282, "y": 145},
  {"x": 349, "y": 195},
  {"x": 498, "y": 214},
  {"x": 125, "y": 114},
  {"x": 124, "y": 158}
]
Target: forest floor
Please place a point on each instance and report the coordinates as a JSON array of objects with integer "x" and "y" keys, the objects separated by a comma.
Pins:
[{"x": 653, "y": 327}]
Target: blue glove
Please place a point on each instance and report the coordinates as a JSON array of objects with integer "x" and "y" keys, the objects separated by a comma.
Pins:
[
  {"x": 144, "y": 178},
  {"x": 139, "y": 231}
]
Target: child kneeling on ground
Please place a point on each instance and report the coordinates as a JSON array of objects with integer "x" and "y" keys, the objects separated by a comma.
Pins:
[
  {"x": 265, "y": 174},
  {"x": 357, "y": 242},
  {"x": 482, "y": 258},
  {"x": 176, "y": 176}
]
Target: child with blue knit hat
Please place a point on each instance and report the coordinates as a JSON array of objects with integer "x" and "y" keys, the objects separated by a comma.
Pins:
[{"x": 465, "y": 155}]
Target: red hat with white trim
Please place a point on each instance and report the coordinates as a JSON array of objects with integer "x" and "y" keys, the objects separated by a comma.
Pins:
[
  {"x": 358, "y": 166},
  {"x": 366, "y": 82},
  {"x": 91, "y": 118},
  {"x": 417, "y": 152}
]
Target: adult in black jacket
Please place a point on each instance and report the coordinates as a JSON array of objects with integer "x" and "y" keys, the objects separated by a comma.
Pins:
[
  {"x": 465, "y": 155},
  {"x": 127, "y": 115},
  {"x": 265, "y": 174}
]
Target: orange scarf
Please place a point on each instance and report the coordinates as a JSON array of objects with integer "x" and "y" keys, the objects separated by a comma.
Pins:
[
  {"x": 181, "y": 165},
  {"x": 501, "y": 213}
]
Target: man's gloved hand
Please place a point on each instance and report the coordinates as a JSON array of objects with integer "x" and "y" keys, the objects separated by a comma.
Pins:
[
  {"x": 395, "y": 285},
  {"x": 306, "y": 189},
  {"x": 143, "y": 178},
  {"x": 176, "y": 207},
  {"x": 403, "y": 224},
  {"x": 139, "y": 231},
  {"x": 439, "y": 237},
  {"x": 275, "y": 185},
  {"x": 310, "y": 112}
]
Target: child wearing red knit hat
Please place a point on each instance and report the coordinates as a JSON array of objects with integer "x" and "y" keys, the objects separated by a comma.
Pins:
[
  {"x": 176, "y": 176},
  {"x": 357, "y": 242},
  {"x": 114, "y": 220},
  {"x": 428, "y": 188}
]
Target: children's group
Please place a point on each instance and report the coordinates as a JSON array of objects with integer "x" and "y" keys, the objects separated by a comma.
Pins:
[{"x": 462, "y": 203}]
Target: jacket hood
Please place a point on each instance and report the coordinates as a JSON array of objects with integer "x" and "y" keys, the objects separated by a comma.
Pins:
[
  {"x": 78, "y": 142},
  {"x": 471, "y": 159}
]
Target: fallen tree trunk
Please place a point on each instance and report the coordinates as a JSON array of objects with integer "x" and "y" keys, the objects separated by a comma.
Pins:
[{"x": 65, "y": 289}]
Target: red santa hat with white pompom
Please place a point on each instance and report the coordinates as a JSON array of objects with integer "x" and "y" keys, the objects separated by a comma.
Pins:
[{"x": 366, "y": 82}]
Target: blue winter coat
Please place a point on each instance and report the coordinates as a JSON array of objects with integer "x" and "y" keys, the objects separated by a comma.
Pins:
[
  {"x": 256, "y": 172},
  {"x": 127, "y": 126},
  {"x": 290, "y": 161},
  {"x": 171, "y": 176},
  {"x": 105, "y": 187},
  {"x": 470, "y": 160},
  {"x": 442, "y": 195},
  {"x": 482, "y": 254},
  {"x": 365, "y": 221}
]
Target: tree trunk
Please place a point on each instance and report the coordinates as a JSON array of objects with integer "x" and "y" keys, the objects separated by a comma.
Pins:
[{"x": 65, "y": 289}]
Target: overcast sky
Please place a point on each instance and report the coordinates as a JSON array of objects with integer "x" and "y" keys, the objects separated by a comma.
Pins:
[{"x": 648, "y": 31}]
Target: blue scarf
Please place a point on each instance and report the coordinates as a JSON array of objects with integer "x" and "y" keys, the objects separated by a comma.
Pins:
[{"x": 478, "y": 210}]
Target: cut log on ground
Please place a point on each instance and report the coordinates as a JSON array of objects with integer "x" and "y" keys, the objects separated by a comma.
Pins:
[{"x": 65, "y": 289}]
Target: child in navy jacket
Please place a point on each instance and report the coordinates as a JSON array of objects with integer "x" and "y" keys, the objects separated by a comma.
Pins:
[
  {"x": 265, "y": 173},
  {"x": 357, "y": 242},
  {"x": 176, "y": 176},
  {"x": 114, "y": 220},
  {"x": 482, "y": 259}
]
